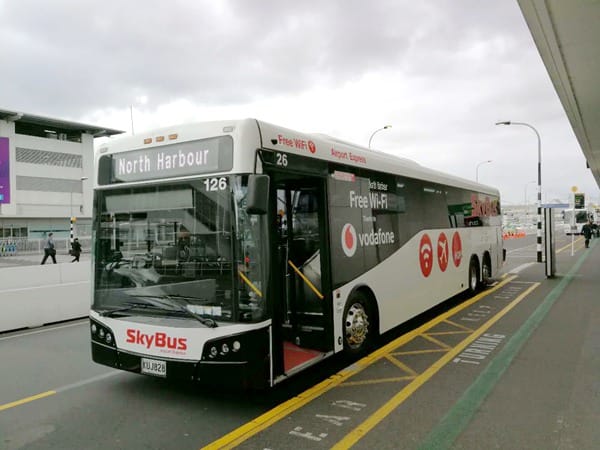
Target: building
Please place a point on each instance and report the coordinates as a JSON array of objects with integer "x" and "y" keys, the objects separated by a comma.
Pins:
[{"x": 46, "y": 168}]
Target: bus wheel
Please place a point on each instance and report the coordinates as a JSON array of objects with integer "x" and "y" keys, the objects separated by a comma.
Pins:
[
  {"x": 473, "y": 276},
  {"x": 486, "y": 270},
  {"x": 358, "y": 325}
]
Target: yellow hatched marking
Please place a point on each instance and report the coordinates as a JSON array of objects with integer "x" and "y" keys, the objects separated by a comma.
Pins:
[
  {"x": 458, "y": 325},
  {"x": 447, "y": 333},
  {"x": 436, "y": 341},
  {"x": 401, "y": 365},
  {"x": 419, "y": 352},
  {"x": 26, "y": 400},
  {"x": 246, "y": 431},
  {"x": 366, "y": 426},
  {"x": 378, "y": 381}
]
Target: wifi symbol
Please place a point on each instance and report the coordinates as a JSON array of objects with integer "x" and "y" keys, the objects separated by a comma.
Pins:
[{"x": 425, "y": 255}]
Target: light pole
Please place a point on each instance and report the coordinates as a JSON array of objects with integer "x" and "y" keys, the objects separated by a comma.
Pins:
[
  {"x": 376, "y": 131},
  {"x": 539, "y": 181},
  {"x": 71, "y": 218},
  {"x": 477, "y": 168}
]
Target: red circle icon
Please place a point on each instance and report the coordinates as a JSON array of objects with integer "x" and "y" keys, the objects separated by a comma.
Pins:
[
  {"x": 442, "y": 252},
  {"x": 456, "y": 249},
  {"x": 349, "y": 240},
  {"x": 426, "y": 255},
  {"x": 312, "y": 147}
]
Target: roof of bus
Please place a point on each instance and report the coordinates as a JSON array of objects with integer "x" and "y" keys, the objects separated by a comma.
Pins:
[{"x": 283, "y": 139}]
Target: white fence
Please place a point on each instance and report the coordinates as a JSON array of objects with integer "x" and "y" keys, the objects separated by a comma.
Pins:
[{"x": 31, "y": 296}]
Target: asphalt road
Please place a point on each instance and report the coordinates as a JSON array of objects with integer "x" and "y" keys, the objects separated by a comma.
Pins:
[{"x": 53, "y": 397}]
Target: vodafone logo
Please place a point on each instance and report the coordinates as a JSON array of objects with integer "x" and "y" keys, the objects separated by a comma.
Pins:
[
  {"x": 349, "y": 240},
  {"x": 312, "y": 147}
]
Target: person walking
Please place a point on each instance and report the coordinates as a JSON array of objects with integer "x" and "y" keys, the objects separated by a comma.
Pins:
[
  {"x": 75, "y": 250},
  {"x": 586, "y": 230},
  {"x": 49, "y": 249}
]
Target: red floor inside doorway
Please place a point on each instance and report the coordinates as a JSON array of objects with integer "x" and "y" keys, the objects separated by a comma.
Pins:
[{"x": 294, "y": 356}]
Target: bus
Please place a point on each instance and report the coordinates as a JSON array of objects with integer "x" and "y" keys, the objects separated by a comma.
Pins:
[
  {"x": 241, "y": 252},
  {"x": 575, "y": 219}
]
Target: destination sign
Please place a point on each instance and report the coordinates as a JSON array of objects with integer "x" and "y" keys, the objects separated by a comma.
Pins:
[{"x": 174, "y": 160}]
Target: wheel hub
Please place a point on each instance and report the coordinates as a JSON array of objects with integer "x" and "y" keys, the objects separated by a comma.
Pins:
[{"x": 356, "y": 325}]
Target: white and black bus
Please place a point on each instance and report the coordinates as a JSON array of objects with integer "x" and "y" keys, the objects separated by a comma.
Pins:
[{"x": 244, "y": 252}]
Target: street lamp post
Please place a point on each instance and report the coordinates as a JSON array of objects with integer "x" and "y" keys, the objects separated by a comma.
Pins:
[
  {"x": 539, "y": 181},
  {"x": 477, "y": 168},
  {"x": 376, "y": 131}
]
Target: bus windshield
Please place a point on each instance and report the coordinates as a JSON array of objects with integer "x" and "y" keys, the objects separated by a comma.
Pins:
[{"x": 179, "y": 249}]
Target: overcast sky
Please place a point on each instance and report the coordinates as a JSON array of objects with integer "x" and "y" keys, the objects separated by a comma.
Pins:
[{"x": 440, "y": 72}]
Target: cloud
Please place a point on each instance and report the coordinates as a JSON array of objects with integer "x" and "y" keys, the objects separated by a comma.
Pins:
[{"x": 441, "y": 72}]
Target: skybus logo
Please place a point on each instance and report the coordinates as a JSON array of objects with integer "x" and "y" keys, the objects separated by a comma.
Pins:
[
  {"x": 158, "y": 340},
  {"x": 351, "y": 239}
]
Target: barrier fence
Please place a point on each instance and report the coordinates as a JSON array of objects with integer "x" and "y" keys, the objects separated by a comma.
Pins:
[{"x": 27, "y": 246}]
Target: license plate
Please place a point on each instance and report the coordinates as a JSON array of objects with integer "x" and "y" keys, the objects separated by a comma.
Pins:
[{"x": 154, "y": 367}]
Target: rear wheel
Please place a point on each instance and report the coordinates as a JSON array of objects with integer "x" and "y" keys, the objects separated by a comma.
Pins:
[
  {"x": 486, "y": 270},
  {"x": 473, "y": 276},
  {"x": 358, "y": 325}
]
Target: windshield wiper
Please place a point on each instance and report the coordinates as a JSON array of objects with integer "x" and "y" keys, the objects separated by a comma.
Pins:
[
  {"x": 172, "y": 300},
  {"x": 130, "y": 306}
]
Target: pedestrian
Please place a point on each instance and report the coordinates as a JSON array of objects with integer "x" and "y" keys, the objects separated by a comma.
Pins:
[
  {"x": 75, "y": 249},
  {"x": 49, "y": 249},
  {"x": 586, "y": 230}
]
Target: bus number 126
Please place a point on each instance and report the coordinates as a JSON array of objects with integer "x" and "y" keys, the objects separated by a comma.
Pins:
[{"x": 215, "y": 184}]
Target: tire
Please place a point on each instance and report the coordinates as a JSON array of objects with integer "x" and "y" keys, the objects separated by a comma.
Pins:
[
  {"x": 359, "y": 325},
  {"x": 473, "y": 281},
  {"x": 486, "y": 271}
]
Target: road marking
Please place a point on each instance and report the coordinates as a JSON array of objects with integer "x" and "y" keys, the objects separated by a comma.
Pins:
[
  {"x": 456, "y": 420},
  {"x": 58, "y": 390},
  {"x": 26, "y": 400},
  {"x": 522, "y": 267},
  {"x": 46, "y": 329},
  {"x": 281, "y": 411},
  {"x": 362, "y": 429},
  {"x": 579, "y": 240}
]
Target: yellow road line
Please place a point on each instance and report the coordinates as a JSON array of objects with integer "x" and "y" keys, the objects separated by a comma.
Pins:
[
  {"x": 458, "y": 325},
  {"x": 361, "y": 430},
  {"x": 272, "y": 416},
  {"x": 436, "y": 342},
  {"x": 419, "y": 352},
  {"x": 401, "y": 365},
  {"x": 377, "y": 381},
  {"x": 569, "y": 245},
  {"x": 26, "y": 400}
]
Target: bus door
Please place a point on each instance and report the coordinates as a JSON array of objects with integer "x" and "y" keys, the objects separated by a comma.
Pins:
[{"x": 300, "y": 269}]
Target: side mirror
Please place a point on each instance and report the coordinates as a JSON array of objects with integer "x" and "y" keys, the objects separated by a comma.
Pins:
[{"x": 258, "y": 194}]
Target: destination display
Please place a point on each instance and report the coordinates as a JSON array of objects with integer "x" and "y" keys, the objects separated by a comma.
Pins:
[{"x": 174, "y": 160}]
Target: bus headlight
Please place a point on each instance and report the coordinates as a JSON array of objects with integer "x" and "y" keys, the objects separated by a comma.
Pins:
[
  {"x": 102, "y": 334},
  {"x": 236, "y": 346},
  {"x": 225, "y": 349}
]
